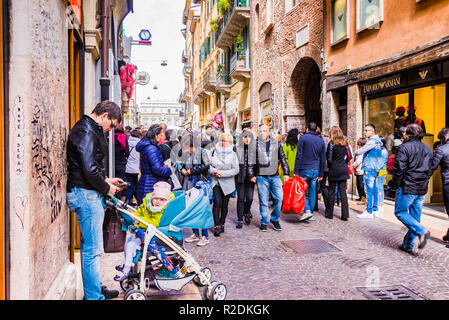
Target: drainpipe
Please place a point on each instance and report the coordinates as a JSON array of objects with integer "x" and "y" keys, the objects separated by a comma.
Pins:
[
  {"x": 105, "y": 27},
  {"x": 105, "y": 81}
]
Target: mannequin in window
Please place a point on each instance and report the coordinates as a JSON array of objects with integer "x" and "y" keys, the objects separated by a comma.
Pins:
[
  {"x": 415, "y": 119},
  {"x": 398, "y": 122}
]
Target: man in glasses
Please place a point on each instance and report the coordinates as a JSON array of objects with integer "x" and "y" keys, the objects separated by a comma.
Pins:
[
  {"x": 371, "y": 165},
  {"x": 86, "y": 183}
]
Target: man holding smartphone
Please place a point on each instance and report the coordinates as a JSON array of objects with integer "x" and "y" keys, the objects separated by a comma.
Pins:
[{"x": 86, "y": 183}]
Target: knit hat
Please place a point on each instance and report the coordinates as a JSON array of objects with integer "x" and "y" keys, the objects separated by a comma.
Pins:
[{"x": 162, "y": 190}]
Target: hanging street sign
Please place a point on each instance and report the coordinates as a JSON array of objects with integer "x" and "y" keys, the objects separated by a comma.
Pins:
[{"x": 142, "y": 78}]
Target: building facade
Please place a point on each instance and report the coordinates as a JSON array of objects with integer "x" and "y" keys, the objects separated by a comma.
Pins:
[
  {"x": 168, "y": 112},
  {"x": 384, "y": 58},
  {"x": 286, "y": 63}
]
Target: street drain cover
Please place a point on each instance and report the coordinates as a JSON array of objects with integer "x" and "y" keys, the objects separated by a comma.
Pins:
[
  {"x": 390, "y": 293},
  {"x": 310, "y": 246}
]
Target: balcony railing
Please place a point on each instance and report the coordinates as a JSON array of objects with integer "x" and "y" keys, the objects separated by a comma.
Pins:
[
  {"x": 209, "y": 80},
  {"x": 223, "y": 83},
  {"x": 238, "y": 15},
  {"x": 240, "y": 66}
]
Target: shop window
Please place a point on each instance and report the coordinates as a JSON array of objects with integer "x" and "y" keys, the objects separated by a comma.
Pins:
[
  {"x": 369, "y": 14},
  {"x": 339, "y": 21}
]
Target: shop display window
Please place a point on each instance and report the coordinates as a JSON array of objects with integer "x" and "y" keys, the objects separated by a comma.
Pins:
[{"x": 369, "y": 14}]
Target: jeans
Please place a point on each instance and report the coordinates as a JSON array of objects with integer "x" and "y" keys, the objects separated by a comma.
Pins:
[
  {"x": 131, "y": 191},
  {"x": 380, "y": 189},
  {"x": 204, "y": 232},
  {"x": 245, "y": 194},
  {"x": 408, "y": 208},
  {"x": 370, "y": 178},
  {"x": 265, "y": 186},
  {"x": 360, "y": 186},
  {"x": 90, "y": 214},
  {"x": 311, "y": 177}
]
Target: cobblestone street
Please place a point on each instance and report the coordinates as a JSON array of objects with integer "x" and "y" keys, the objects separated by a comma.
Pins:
[{"x": 256, "y": 265}]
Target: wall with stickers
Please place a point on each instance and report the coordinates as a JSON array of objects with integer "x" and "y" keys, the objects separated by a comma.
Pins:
[{"x": 39, "y": 127}]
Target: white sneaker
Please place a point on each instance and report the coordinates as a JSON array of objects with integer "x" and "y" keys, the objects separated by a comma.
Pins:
[
  {"x": 365, "y": 215},
  {"x": 192, "y": 238},
  {"x": 204, "y": 241},
  {"x": 304, "y": 216},
  {"x": 377, "y": 213}
]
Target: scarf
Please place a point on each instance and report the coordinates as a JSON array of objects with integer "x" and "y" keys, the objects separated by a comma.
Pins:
[{"x": 121, "y": 138}]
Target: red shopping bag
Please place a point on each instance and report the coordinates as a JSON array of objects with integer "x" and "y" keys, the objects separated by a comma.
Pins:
[{"x": 294, "y": 191}]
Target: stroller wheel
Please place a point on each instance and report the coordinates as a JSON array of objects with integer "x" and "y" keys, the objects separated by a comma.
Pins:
[
  {"x": 218, "y": 291},
  {"x": 135, "y": 295},
  {"x": 207, "y": 273},
  {"x": 127, "y": 284}
]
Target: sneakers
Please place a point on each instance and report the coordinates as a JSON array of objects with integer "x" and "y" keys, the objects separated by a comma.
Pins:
[
  {"x": 203, "y": 242},
  {"x": 276, "y": 225},
  {"x": 423, "y": 239},
  {"x": 239, "y": 225},
  {"x": 109, "y": 294},
  {"x": 119, "y": 267},
  {"x": 377, "y": 214},
  {"x": 409, "y": 251},
  {"x": 365, "y": 215},
  {"x": 192, "y": 238},
  {"x": 122, "y": 276},
  {"x": 304, "y": 216},
  {"x": 263, "y": 227}
]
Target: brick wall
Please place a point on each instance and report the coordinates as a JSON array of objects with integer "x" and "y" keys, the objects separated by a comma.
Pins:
[{"x": 276, "y": 59}]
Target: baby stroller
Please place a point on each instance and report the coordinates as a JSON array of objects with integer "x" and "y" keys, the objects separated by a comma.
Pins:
[{"x": 189, "y": 209}]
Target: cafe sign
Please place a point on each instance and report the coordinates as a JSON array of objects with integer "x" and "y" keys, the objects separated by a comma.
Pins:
[{"x": 384, "y": 84}]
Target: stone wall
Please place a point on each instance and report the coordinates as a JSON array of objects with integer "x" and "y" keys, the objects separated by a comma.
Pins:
[{"x": 38, "y": 99}]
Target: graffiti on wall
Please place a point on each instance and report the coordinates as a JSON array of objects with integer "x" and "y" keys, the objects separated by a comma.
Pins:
[
  {"x": 49, "y": 118},
  {"x": 19, "y": 129}
]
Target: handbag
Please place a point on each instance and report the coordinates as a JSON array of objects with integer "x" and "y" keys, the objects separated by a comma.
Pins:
[
  {"x": 113, "y": 236},
  {"x": 351, "y": 169}
]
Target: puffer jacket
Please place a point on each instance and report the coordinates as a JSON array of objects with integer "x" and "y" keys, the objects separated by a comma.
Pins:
[
  {"x": 412, "y": 167},
  {"x": 86, "y": 150},
  {"x": 152, "y": 168},
  {"x": 262, "y": 163},
  {"x": 372, "y": 154},
  {"x": 441, "y": 158}
]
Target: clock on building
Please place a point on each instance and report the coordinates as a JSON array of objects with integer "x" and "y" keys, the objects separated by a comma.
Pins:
[{"x": 145, "y": 35}]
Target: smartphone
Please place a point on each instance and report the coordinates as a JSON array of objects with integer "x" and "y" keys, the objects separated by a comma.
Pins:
[{"x": 124, "y": 184}]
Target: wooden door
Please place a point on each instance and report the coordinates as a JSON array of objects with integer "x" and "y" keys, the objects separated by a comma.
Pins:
[
  {"x": 2, "y": 163},
  {"x": 74, "y": 116}
]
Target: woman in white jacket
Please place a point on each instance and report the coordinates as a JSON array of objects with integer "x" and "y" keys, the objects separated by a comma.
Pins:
[{"x": 224, "y": 165}]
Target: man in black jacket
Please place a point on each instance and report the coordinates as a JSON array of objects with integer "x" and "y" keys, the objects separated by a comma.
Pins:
[
  {"x": 411, "y": 177},
  {"x": 264, "y": 169},
  {"x": 86, "y": 183}
]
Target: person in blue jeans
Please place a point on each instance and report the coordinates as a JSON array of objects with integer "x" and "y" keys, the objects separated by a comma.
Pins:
[
  {"x": 309, "y": 165},
  {"x": 372, "y": 163},
  {"x": 263, "y": 169},
  {"x": 86, "y": 183},
  {"x": 412, "y": 171}
]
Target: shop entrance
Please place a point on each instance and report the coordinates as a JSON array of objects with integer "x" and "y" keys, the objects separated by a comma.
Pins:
[{"x": 390, "y": 113}]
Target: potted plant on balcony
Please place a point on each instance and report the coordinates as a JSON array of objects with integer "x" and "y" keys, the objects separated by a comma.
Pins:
[
  {"x": 241, "y": 56},
  {"x": 223, "y": 5},
  {"x": 214, "y": 24}
]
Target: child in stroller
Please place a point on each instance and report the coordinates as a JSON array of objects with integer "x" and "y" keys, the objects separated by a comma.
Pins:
[{"x": 150, "y": 211}]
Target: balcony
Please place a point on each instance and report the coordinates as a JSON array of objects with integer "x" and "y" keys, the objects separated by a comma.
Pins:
[
  {"x": 209, "y": 80},
  {"x": 232, "y": 23},
  {"x": 240, "y": 66},
  {"x": 223, "y": 83},
  {"x": 184, "y": 57}
]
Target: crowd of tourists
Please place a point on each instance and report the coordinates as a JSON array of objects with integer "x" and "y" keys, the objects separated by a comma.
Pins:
[{"x": 226, "y": 166}]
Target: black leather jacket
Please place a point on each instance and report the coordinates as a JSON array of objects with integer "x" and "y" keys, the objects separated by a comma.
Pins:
[
  {"x": 412, "y": 167},
  {"x": 86, "y": 150},
  {"x": 261, "y": 163},
  {"x": 441, "y": 157}
]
